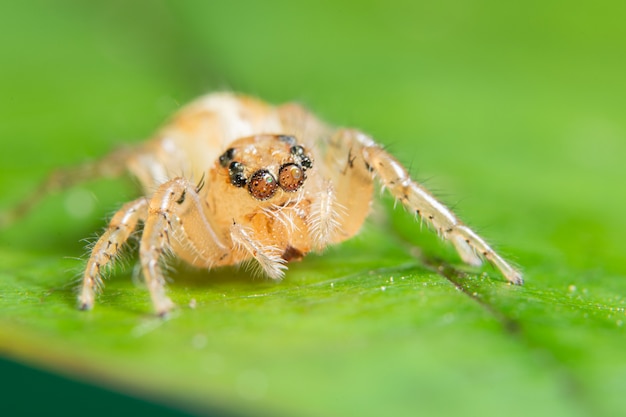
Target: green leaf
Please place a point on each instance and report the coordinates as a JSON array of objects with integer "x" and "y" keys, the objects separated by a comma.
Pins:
[{"x": 516, "y": 112}]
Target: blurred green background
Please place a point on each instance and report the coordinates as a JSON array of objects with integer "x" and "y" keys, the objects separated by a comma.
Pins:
[{"x": 513, "y": 112}]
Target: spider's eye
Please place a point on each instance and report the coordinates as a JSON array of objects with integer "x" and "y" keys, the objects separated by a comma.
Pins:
[
  {"x": 235, "y": 171},
  {"x": 226, "y": 157},
  {"x": 298, "y": 152},
  {"x": 290, "y": 177},
  {"x": 288, "y": 139},
  {"x": 262, "y": 185},
  {"x": 306, "y": 162}
]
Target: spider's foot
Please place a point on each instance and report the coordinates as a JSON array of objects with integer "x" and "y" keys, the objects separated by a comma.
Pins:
[
  {"x": 514, "y": 277},
  {"x": 85, "y": 299},
  {"x": 85, "y": 307},
  {"x": 163, "y": 307}
]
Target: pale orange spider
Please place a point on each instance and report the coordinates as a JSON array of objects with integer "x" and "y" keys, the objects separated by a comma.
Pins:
[{"x": 276, "y": 184}]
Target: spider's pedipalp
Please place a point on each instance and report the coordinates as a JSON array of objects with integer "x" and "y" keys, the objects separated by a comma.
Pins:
[
  {"x": 269, "y": 257},
  {"x": 284, "y": 215},
  {"x": 325, "y": 217}
]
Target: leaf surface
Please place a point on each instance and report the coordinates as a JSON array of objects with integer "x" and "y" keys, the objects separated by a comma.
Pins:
[{"x": 522, "y": 123}]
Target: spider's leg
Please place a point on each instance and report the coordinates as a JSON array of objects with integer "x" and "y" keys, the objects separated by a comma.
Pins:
[
  {"x": 108, "y": 246},
  {"x": 112, "y": 165},
  {"x": 196, "y": 241},
  {"x": 417, "y": 199},
  {"x": 162, "y": 224}
]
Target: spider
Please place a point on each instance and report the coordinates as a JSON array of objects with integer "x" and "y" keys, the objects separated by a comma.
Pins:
[{"x": 276, "y": 183}]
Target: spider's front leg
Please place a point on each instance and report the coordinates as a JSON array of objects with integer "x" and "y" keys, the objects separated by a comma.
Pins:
[
  {"x": 163, "y": 231},
  {"x": 416, "y": 198}
]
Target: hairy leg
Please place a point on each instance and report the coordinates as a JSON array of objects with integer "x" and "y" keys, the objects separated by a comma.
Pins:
[
  {"x": 108, "y": 246},
  {"x": 417, "y": 199},
  {"x": 112, "y": 165},
  {"x": 176, "y": 223}
]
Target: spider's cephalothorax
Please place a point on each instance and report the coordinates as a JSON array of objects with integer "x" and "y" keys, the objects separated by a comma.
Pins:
[{"x": 276, "y": 183}]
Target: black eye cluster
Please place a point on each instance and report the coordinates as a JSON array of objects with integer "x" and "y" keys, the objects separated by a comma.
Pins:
[
  {"x": 235, "y": 170},
  {"x": 262, "y": 185},
  {"x": 227, "y": 156},
  {"x": 298, "y": 152}
]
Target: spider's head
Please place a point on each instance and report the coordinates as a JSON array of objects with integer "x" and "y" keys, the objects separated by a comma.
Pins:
[{"x": 265, "y": 164}]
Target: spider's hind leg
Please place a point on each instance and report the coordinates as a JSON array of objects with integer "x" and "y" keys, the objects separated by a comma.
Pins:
[
  {"x": 112, "y": 165},
  {"x": 418, "y": 200}
]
